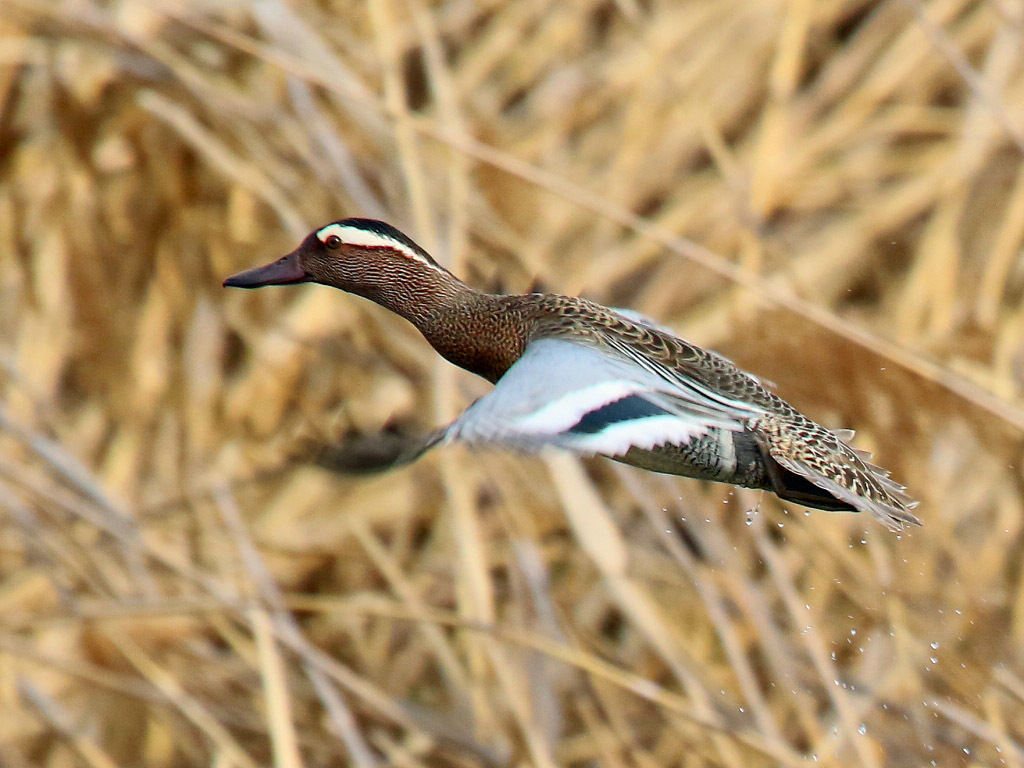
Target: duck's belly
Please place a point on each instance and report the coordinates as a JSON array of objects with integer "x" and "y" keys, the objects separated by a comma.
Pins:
[{"x": 720, "y": 455}]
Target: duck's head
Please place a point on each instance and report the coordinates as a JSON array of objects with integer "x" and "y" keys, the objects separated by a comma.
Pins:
[{"x": 357, "y": 255}]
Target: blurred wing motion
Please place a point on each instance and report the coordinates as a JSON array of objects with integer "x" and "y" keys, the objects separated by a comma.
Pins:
[
  {"x": 367, "y": 454},
  {"x": 578, "y": 397}
]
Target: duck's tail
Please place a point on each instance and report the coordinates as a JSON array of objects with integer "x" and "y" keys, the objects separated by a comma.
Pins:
[{"x": 814, "y": 466}]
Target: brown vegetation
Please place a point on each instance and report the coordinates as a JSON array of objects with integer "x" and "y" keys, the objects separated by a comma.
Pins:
[{"x": 831, "y": 193}]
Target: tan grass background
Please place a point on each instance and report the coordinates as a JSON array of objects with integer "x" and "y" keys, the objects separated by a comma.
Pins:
[{"x": 831, "y": 193}]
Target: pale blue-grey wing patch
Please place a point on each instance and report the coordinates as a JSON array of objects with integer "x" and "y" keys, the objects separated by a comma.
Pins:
[{"x": 586, "y": 399}]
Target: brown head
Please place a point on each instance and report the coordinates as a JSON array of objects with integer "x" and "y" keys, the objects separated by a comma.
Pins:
[
  {"x": 372, "y": 259},
  {"x": 362, "y": 256}
]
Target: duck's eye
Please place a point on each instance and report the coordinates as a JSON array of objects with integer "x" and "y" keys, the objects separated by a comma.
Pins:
[{"x": 333, "y": 241}]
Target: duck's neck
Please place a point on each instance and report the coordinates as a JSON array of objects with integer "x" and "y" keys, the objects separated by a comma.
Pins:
[{"x": 480, "y": 332}]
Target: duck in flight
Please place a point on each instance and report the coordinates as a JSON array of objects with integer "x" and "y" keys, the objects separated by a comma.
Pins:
[{"x": 572, "y": 374}]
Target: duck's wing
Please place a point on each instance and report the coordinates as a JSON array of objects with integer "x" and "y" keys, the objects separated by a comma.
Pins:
[
  {"x": 589, "y": 399},
  {"x": 798, "y": 444}
]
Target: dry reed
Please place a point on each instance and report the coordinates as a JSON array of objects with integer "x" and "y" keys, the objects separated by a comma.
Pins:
[{"x": 830, "y": 193}]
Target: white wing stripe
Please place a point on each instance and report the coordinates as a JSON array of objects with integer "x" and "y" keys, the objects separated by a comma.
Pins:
[
  {"x": 565, "y": 412},
  {"x": 646, "y": 433}
]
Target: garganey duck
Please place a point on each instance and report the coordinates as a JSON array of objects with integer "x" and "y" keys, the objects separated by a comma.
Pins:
[{"x": 576, "y": 375}]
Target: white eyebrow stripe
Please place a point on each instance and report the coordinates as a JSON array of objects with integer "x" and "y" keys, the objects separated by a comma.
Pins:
[{"x": 367, "y": 239}]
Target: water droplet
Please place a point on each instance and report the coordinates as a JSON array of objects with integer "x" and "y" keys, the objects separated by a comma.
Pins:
[
  {"x": 749, "y": 521},
  {"x": 934, "y": 644},
  {"x": 863, "y": 728}
]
